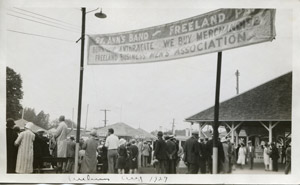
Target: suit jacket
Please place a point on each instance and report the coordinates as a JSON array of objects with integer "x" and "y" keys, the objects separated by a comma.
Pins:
[
  {"x": 203, "y": 152},
  {"x": 160, "y": 150},
  {"x": 171, "y": 149},
  {"x": 71, "y": 146},
  {"x": 209, "y": 149},
  {"x": 192, "y": 151},
  {"x": 250, "y": 151}
]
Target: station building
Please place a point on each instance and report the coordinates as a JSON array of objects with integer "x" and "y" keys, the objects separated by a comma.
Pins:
[{"x": 261, "y": 115}]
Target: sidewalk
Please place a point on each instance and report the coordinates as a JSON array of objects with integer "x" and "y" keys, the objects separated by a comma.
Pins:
[{"x": 258, "y": 168}]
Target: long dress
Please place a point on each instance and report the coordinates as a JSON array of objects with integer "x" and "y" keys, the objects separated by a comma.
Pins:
[
  {"x": 241, "y": 156},
  {"x": 89, "y": 162},
  {"x": 25, "y": 153},
  {"x": 122, "y": 157},
  {"x": 266, "y": 156},
  {"x": 61, "y": 139},
  {"x": 226, "y": 158}
]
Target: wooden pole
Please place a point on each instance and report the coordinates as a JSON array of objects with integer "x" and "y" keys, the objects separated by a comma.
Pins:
[
  {"x": 216, "y": 116},
  {"x": 80, "y": 89}
]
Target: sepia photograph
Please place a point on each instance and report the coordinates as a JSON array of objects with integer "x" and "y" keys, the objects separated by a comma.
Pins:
[{"x": 155, "y": 92}]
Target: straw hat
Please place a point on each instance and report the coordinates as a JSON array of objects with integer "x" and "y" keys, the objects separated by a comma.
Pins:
[
  {"x": 223, "y": 140},
  {"x": 29, "y": 125},
  {"x": 93, "y": 133},
  {"x": 122, "y": 141}
]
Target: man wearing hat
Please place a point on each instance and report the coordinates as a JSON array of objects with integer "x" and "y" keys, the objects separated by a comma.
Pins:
[
  {"x": 71, "y": 145},
  {"x": 25, "y": 152},
  {"x": 192, "y": 153},
  {"x": 203, "y": 157},
  {"x": 61, "y": 140},
  {"x": 171, "y": 151},
  {"x": 224, "y": 167},
  {"x": 160, "y": 153},
  {"x": 11, "y": 149},
  {"x": 133, "y": 156},
  {"x": 250, "y": 154},
  {"x": 231, "y": 154}
]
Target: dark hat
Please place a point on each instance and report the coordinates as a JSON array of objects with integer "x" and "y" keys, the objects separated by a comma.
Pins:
[
  {"x": 111, "y": 130},
  {"x": 167, "y": 137},
  {"x": 10, "y": 122},
  {"x": 17, "y": 128},
  {"x": 159, "y": 133},
  {"x": 61, "y": 118},
  {"x": 41, "y": 130},
  {"x": 195, "y": 133}
]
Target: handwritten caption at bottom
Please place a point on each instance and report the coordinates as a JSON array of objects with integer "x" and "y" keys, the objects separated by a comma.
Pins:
[
  {"x": 141, "y": 179},
  {"x": 124, "y": 178}
]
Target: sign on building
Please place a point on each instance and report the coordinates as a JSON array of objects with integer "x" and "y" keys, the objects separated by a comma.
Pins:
[{"x": 215, "y": 31}]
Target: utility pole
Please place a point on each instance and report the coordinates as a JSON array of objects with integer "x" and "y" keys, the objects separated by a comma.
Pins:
[
  {"x": 23, "y": 112},
  {"x": 173, "y": 127},
  {"x": 237, "y": 74},
  {"x": 72, "y": 118},
  {"x": 105, "y": 120},
  {"x": 82, "y": 38},
  {"x": 86, "y": 120},
  {"x": 80, "y": 88}
]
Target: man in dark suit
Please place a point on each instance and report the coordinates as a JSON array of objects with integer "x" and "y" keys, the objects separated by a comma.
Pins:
[
  {"x": 71, "y": 145},
  {"x": 171, "y": 151},
  {"x": 250, "y": 154},
  {"x": 209, "y": 153},
  {"x": 160, "y": 153},
  {"x": 203, "y": 156},
  {"x": 221, "y": 157},
  {"x": 192, "y": 154},
  {"x": 11, "y": 149}
]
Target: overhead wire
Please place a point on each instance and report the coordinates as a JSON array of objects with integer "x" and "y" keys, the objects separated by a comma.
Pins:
[
  {"x": 76, "y": 26},
  {"x": 67, "y": 24},
  {"x": 43, "y": 23},
  {"x": 32, "y": 34},
  {"x": 77, "y": 29}
]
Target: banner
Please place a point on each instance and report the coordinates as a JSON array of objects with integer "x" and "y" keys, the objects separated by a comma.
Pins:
[{"x": 215, "y": 31}]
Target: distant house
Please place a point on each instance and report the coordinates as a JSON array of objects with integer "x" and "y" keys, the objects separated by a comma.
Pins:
[
  {"x": 145, "y": 135},
  {"x": 22, "y": 122},
  {"x": 125, "y": 131}
]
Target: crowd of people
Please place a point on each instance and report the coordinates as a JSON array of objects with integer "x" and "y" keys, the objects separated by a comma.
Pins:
[{"x": 26, "y": 149}]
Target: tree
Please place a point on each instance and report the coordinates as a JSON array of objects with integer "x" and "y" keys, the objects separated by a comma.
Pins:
[
  {"x": 42, "y": 120},
  {"x": 30, "y": 115},
  {"x": 70, "y": 123},
  {"x": 14, "y": 94}
]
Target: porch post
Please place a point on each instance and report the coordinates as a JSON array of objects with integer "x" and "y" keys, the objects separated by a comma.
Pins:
[
  {"x": 270, "y": 132},
  {"x": 232, "y": 132}
]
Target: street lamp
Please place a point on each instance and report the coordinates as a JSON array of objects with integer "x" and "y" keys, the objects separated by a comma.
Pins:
[{"x": 99, "y": 15}]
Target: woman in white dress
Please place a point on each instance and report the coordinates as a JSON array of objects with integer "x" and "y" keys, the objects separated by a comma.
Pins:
[
  {"x": 25, "y": 152},
  {"x": 266, "y": 157},
  {"x": 242, "y": 155}
]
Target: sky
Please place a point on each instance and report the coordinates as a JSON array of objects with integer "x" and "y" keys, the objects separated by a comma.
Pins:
[{"x": 148, "y": 95}]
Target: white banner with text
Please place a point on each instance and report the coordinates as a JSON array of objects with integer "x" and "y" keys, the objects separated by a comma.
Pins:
[{"x": 215, "y": 31}]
